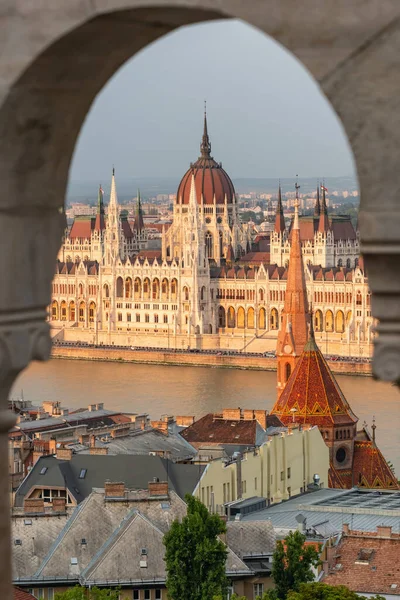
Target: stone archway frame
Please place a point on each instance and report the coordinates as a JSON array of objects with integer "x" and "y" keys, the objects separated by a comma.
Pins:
[{"x": 57, "y": 56}]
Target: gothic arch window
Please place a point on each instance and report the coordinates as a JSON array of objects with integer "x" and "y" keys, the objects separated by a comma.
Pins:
[
  {"x": 319, "y": 321},
  {"x": 250, "y": 318},
  {"x": 221, "y": 245},
  {"x": 349, "y": 317},
  {"x": 137, "y": 288},
  {"x": 288, "y": 371},
  {"x": 348, "y": 263},
  {"x": 274, "y": 322},
  {"x": 72, "y": 311},
  {"x": 339, "y": 322},
  {"x": 92, "y": 312},
  {"x": 164, "y": 289},
  {"x": 231, "y": 317},
  {"x": 262, "y": 322},
  {"x": 106, "y": 290},
  {"x": 128, "y": 287},
  {"x": 210, "y": 329},
  {"x": 329, "y": 321},
  {"x": 80, "y": 289},
  {"x": 186, "y": 293},
  {"x": 82, "y": 309},
  {"x": 340, "y": 263},
  {"x": 240, "y": 317},
  {"x": 203, "y": 293},
  {"x": 120, "y": 287},
  {"x": 359, "y": 299},
  {"x": 174, "y": 287},
  {"x": 156, "y": 289},
  {"x": 261, "y": 294},
  {"x": 356, "y": 262},
  {"x": 146, "y": 289},
  {"x": 221, "y": 317},
  {"x": 209, "y": 245},
  {"x": 63, "y": 310},
  {"x": 54, "y": 311},
  {"x": 68, "y": 259}
]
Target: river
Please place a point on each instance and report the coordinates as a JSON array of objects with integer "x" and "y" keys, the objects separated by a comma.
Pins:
[{"x": 174, "y": 390}]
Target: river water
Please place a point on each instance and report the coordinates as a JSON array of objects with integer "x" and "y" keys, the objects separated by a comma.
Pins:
[{"x": 174, "y": 390}]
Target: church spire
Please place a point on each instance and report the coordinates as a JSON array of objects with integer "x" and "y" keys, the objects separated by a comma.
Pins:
[
  {"x": 323, "y": 225},
  {"x": 293, "y": 333},
  {"x": 99, "y": 223},
  {"x": 205, "y": 146},
  {"x": 317, "y": 207},
  {"x": 279, "y": 218},
  {"x": 139, "y": 222}
]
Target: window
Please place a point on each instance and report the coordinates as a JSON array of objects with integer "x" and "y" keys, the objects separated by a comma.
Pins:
[
  {"x": 82, "y": 474},
  {"x": 147, "y": 594},
  {"x": 165, "y": 318},
  {"x": 136, "y": 594},
  {"x": 147, "y": 318},
  {"x": 282, "y": 475},
  {"x": 40, "y": 593},
  {"x": 288, "y": 473},
  {"x": 155, "y": 318},
  {"x": 258, "y": 590},
  {"x": 137, "y": 318},
  {"x": 255, "y": 483},
  {"x": 158, "y": 594},
  {"x": 129, "y": 317},
  {"x": 50, "y": 593},
  {"x": 119, "y": 316}
]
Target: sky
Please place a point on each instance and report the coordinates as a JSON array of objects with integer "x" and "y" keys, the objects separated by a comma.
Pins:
[{"x": 266, "y": 115}]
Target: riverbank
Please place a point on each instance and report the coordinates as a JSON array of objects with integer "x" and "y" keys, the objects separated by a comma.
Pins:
[{"x": 192, "y": 359}]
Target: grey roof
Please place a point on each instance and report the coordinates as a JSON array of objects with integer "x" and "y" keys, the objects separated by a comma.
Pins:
[
  {"x": 135, "y": 471},
  {"x": 252, "y": 538},
  {"x": 143, "y": 442},
  {"x": 327, "y": 510},
  {"x": 75, "y": 418}
]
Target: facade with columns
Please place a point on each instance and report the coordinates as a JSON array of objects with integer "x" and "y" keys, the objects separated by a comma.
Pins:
[{"x": 207, "y": 287}]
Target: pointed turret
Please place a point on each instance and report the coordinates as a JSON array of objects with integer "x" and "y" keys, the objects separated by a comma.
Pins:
[
  {"x": 323, "y": 225},
  {"x": 317, "y": 207},
  {"x": 139, "y": 222},
  {"x": 293, "y": 333},
  {"x": 100, "y": 223},
  {"x": 205, "y": 146},
  {"x": 113, "y": 229},
  {"x": 279, "y": 218}
]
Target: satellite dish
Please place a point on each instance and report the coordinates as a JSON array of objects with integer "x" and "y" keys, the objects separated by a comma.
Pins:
[{"x": 301, "y": 518}]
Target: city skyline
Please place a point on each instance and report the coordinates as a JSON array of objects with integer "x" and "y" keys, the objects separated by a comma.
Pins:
[{"x": 260, "y": 118}]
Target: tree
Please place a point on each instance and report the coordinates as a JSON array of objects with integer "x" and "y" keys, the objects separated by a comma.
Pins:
[
  {"x": 321, "y": 591},
  {"x": 195, "y": 557},
  {"x": 292, "y": 565},
  {"x": 81, "y": 593}
]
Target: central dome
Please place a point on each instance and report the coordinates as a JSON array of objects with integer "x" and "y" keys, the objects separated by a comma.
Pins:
[{"x": 211, "y": 181}]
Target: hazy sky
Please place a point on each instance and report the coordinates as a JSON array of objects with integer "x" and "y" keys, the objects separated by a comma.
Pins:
[{"x": 266, "y": 116}]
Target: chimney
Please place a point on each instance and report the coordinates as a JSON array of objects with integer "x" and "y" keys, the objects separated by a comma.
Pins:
[
  {"x": 114, "y": 490},
  {"x": 384, "y": 531},
  {"x": 238, "y": 475},
  {"x": 64, "y": 454},
  {"x": 185, "y": 421},
  {"x": 33, "y": 505},
  {"x": 100, "y": 406},
  {"x": 261, "y": 417},
  {"x": 248, "y": 414},
  {"x": 58, "y": 505},
  {"x": 161, "y": 426},
  {"x": 346, "y": 529},
  {"x": 158, "y": 488},
  {"x": 91, "y": 407},
  {"x": 92, "y": 441},
  {"x": 231, "y": 414},
  {"x": 98, "y": 451}
]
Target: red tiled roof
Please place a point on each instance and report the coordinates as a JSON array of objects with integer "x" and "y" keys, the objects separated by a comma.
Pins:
[
  {"x": 126, "y": 228},
  {"x": 369, "y": 564},
  {"x": 313, "y": 391},
  {"x": 20, "y": 594},
  {"x": 82, "y": 228},
  {"x": 210, "y": 179},
  {"x": 213, "y": 429},
  {"x": 255, "y": 258},
  {"x": 370, "y": 467},
  {"x": 149, "y": 254}
]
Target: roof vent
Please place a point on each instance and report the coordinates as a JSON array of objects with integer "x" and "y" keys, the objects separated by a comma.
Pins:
[
  {"x": 83, "y": 542},
  {"x": 156, "y": 480},
  {"x": 18, "y": 542},
  {"x": 74, "y": 561},
  {"x": 143, "y": 551},
  {"x": 27, "y": 521}
]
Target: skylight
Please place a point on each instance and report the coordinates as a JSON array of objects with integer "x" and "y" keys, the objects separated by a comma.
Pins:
[
  {"x": 43, "y": 470},
  {"x": 82, "y": 474}
]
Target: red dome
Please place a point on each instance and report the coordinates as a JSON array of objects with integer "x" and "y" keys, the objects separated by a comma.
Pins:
[{"x": 209, "y": 176}]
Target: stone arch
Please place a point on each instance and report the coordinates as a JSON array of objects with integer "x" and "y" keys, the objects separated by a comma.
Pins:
[
  {"x": 339, "y": 322},
  {"x": 231, "y": 318},
  {"x": 106, "y": 289},
  {"x": 72, "y": 311},
  {"x": 185, "y": 292},
  {"x": 92, "y": 312},
  {"x": 164, "y": 289},
  {"x": 82, "y": 312},
  {"x": 174, "y": 289},
  {"x": 203, "y": 293},
  {"x": 262, "y": 321},
  {"x": 329, "y": 321},
  {"x": 63, "y": 311},
  {"x": 137, "y": 288},
  {"x": 155, "y": 289},
  {"x": 240, "y": 318},
  {"x": 250, "y": 318},
  {"x": 221, "y": 317},
  {"x": 54, "y": 310},
  {"x": 146, "y": 289},
  {"x": 318, "y": 321},
  {"x": 274, "y": 319},
  {"x": 80, "y": 289},
  {"x": 128, "y": 287},
  {"x": 119, "y": 287}
]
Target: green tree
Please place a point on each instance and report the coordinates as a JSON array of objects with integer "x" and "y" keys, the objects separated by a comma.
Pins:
[
  {"x": 321, "y": 591},
  {"x": 81, "y": 593},
  {"x": 195, "y": 556},
  {"x": 292, "y": 565}
]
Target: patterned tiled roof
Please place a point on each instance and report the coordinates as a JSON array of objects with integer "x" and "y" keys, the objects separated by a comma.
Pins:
[
  {"x": 213, "y": 429},
  {"x": 313, "y": 391},
  {"x": 370, "y": 467},
  {"x": 22, "y": 595}
]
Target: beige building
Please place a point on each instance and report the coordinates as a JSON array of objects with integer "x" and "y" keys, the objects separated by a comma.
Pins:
[{"x": 280, "y": 468}]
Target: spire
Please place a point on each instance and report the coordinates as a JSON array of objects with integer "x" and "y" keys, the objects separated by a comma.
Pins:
[
  {"x": 323, "y": 225},
  {"x": 113, "y": 193},
  {"x": 279, "y": 218},
  {"x": 317, "y": 207},
  {"x": 139, "y": 223},
  {"x": 291, "y": 343},
  {"x": 205, "y": 146},
  {"x": 99, "y": 223},
  {"x": 373, "y": 429}
]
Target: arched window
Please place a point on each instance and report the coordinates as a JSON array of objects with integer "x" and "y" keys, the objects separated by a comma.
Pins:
[
  {"x": 203, "y": 293},
  {"x": 288, "y": 371},
  {"x": 274, "y": 322},
  {"x": 63, "y": 310},
  {"x": 261, "y": 295},
  {"x": 231, "y": 318},
  {"x": 340, "y": 263},
  {"x": 262, "y": 322},
  {"x": 339, "y": 322},
  {"x": 137, "y": 288},
  {"x": 164, "y": 289},
  {"x": 221, "y": 245},
  {"x": 356, "y": 262},
  {"x": 128, "y": 288},
  {"x": 92, "y": 312},
  {"x": 72, "y": 311},
  {"x": 221, "y": 317},
  {"x": 318, "y": 321},
  {"x": 82, "y": 308},
  {"x": 359, "y": 299},
  {"x": 240, "y": 317},
  {"x": 156, "y": 289},
  {"x": 250, "y": 318},
  {"x": 329, "y": 321},
  {"x": 174, "y": 287},
  {"x": 186, "y": 293},
  {"x": 80, "y": 289},
  {"x": 210, "y": 329},
  {"x": 146, "y": 289},
  {"x": 106, "y": 290},
  {"x": 209, "y": 245},
  {"x": 120, "y": 287},
  {"x": 54, "y": 311},
  {"x": 348, "y": 263}
]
